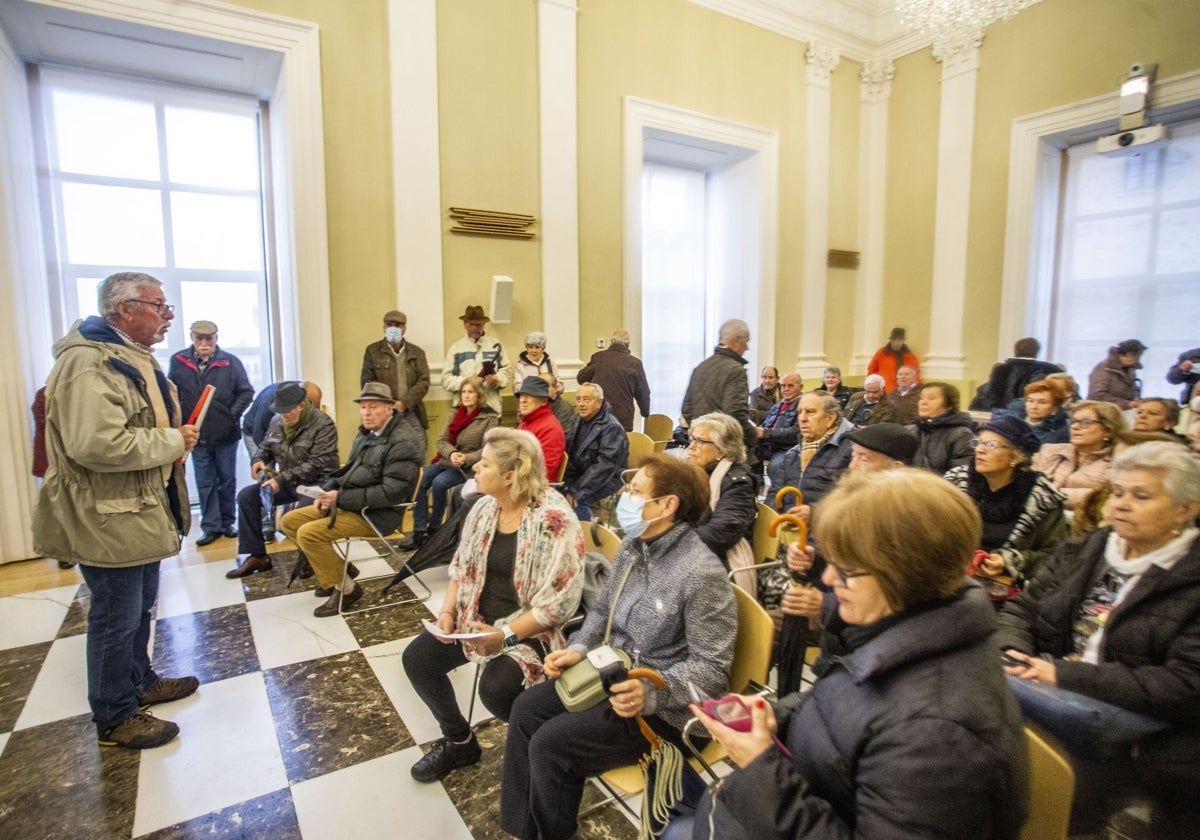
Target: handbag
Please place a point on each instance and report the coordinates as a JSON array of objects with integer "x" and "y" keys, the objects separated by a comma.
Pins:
[{"x": 581, "y": 686}]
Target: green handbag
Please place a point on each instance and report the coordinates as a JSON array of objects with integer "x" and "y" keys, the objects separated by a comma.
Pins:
[{"x": 580, "y": 687}]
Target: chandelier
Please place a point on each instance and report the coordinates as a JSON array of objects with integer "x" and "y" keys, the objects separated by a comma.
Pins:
[{"x": 949, "y": 19}]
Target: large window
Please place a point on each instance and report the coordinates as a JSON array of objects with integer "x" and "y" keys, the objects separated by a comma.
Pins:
[
  {"x": 165, "y": 180},
  {"x": 1129, "y": 264}
]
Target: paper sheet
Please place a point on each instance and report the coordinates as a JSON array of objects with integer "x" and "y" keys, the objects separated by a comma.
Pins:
[{"x": 437, "y": 633}]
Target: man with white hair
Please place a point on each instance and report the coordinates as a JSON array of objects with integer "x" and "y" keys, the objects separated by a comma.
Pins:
[
  {"x": 599, "y": 451},
  {"x": 623, "y": 378},
  {"x": 719, "y": 382},
  {"x": 870, "y": 406}
]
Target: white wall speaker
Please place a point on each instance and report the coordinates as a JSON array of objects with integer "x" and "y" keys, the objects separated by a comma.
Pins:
[{"x": 502, "y": 296}]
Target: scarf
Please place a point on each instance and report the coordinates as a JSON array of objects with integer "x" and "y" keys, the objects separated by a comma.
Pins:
[
  {"x": 808, "y": 448},
  {"x": 289, "y": 432},
  {"x": 999, "y": 509},
  {"x": 1165, "y": 556},
  {"x": 461, "y": 419}
]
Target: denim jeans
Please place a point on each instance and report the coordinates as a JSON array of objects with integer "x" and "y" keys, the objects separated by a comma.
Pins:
[
  {"x": 216, "y": 484},
  {"x": 440, "y": 479},
  {"x": 118, "y": 639}
]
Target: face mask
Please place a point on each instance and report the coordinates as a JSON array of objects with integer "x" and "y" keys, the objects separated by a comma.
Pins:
[
  {"x": 629, "y": 514},
  {"x": 393, "y": 335}
]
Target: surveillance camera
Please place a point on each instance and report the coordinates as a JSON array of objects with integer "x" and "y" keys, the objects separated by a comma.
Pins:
[{"x": 1137, "y": 69}]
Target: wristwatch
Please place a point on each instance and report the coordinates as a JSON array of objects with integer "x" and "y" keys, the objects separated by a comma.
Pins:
[{"x": 510, "y": 638}]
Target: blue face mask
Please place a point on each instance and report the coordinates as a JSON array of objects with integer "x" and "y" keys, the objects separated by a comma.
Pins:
[
  {"x": 629, "y": 514},
  {"x": 393, "y": 334}
]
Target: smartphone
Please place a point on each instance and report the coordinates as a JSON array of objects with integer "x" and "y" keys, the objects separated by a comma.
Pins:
[{"x": 1011, "y": 661}]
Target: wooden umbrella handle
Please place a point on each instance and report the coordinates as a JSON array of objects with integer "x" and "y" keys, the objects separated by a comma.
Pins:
[
  {"x": 793, "y": 523},
  {"x": 784, "y": 492}
]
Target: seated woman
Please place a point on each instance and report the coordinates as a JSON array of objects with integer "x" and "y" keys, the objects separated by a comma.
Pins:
[
  {"x": 831, "y": 383},
  {"x": 1042, "y": 409},
  {"x": 944, "y": 433},
  {"x": 1114, "y": 617},
  {"x": 715, "y": 444},
  {"x": 1157, "y": 414},
  {"x": 518, "y": 576},
  {"x": 459, "y": 447},
  {"x": 1091, "y": 513},
  {"x": 1079, "y": 467},
  {"x": 671, "y": 609},
  {"x": 909, "y": 730},
  {"x": 1022, "y": 513}
]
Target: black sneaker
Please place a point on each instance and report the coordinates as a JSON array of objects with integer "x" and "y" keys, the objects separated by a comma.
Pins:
[
  {"x": 168, "y": 689},
  {"x": 143, "y": 731},
  {"x": 445, "y": 756}
]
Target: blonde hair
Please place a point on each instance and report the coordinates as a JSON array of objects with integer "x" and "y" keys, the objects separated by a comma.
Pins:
[
  {"x": 518, "y": 452},
  {"x": 912, "y": 530},
  {"x": 1110, "y": 417}
]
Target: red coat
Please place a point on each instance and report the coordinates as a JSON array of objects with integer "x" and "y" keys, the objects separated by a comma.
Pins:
[
  {"x": 549, "y": 432},
  {"x": 884, "y": 363}
]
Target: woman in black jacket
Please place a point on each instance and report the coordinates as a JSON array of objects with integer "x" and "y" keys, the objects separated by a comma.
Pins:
[
  {"x": 1116, "y": 618},
  {"x": 944, "y": 432},
  {"x": 715, "y": 444}
]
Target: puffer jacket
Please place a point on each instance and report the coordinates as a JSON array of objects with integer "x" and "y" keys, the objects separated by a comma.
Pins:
[
  {"x": 733, "y": 517},
  {"x": 945, "y": 441},
  {"x": 380, "y": 365},
  {"x": 912, "y": 734},
  {"x": 676, "y": 610},
  {"x": 309, "y": 457},
  {"x": 823, "y": 471},
  {"x": 599, "y": 452},
  {"x": 382, "y": 472},
  {"x": 232, "y": 396},
  {"x": 781, "y": 429},
  {"x": 104, "y": 501},
  {"x": 1110, "y": 382},
  {"x": 1073, "y": 477},
  {"x": 544, "y": 426}
]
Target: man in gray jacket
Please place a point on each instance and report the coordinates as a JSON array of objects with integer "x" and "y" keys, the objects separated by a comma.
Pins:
[
  {"x": 114, "y": 498},
  {"x": 719, "y": 382}
]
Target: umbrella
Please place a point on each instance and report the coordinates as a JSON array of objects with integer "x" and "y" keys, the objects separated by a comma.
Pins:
[{"x": 662, "y": 769}]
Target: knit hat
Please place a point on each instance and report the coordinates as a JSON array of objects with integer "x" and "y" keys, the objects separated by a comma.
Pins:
[
  {"x": 892, "y": 439},
  {"x": 1014, "y": 430}
]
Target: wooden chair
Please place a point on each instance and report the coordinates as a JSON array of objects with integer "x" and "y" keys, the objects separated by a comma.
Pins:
[
  {"x": 562, "y": 468},
  {"x": 640, "y": 446},
  {"x": 751, "y": 663},
  {"x": 607, "y": 542},
  {"x": 659, "y": 428},
  {"x": 1051, "y": 789}
]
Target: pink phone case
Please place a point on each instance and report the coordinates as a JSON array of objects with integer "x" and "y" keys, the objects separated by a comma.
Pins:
[{"x": 731, "y": 711}]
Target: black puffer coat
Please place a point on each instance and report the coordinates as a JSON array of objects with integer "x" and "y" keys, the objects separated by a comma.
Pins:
[
  {"x": 734, "y": 515},
  {"x": 945, "y": 441},
  {"x": 382, "y": 471}
]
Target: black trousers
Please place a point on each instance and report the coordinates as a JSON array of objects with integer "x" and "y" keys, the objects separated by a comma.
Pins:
[
  {"x": 427, "y": 662},
  {"x": 250, "y": 516},
  {"x": 551, "y": 752}
]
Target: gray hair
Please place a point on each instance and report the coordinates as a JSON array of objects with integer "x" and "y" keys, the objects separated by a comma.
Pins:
[
  {"x": 833, "y": 369},
  {"x": 734, "y": 328},
  {"x": 518, "y": 452},
  {"x": 907, "y": 367},
  {"x": 120, "y": 287},
  {"x": 874, "y": 379},
  {"x": 1176, "y": 467},
  {"x": 621, "y": 337},
  {"x": 727, "y": 434},
  {"x": 829, "y": 403},
  {"x": 538, "y": 338},
  {"x": 595, "y": 386}
]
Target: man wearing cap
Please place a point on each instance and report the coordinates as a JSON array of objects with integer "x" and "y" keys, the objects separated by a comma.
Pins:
[
  {"x": 215, "y": 456},
  {"x": 474, "y": 355},
  {"x": 300, "y": 447},
  {"x": 884, "y": 446},
  {"x": 401, "y": 364},
  {"x": 891, "y": 356},
  {"x": 533, "y": 404},
  {"x": 383, "y": 469}
]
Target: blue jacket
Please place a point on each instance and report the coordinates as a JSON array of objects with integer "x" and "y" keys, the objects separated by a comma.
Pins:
[
  {"x": 234, "y": 392},
  {"x": 781, "y": 429},
  {"x": 599, "y": 452},
  {"x": 825, "y": 468}
]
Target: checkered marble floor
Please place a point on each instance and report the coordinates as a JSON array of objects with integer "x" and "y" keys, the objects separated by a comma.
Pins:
[{"x": 302, "y": 727}]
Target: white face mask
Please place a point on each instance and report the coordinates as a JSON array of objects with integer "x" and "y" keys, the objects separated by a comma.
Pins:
[
  {"x": 629, "y": 514},
  {"x": 394, "y": 335}
]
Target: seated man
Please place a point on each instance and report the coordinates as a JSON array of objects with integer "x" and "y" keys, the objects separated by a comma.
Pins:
[
  {"x": 598, "y": 453},
  {"x": 904, "y": 398},
  {"x": 765, "y": 395},
  {"x": 561, "y": 409},
  {"x": 300, "y": 447},
  {"x": 780, "y": 429},
  {"x": 533, "y": 405},
  {"x": 871, "y": 405},
  {"x": 816, "y": 463},
  {"x": 384, "y": 466}
]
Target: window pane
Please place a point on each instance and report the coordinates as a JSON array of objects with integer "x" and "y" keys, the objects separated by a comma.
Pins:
[
  {"x": 1115, "y": 183},
  {"x": 212, "y": 149},
  {"x": 216, "y": 231},
  {"x": 100, "y": 135},
  {"x": 1181, "y": 176},
  {"x": 113, "y": 225},
  {"x": 233, "y": 307},
  {"x": 85, "y": 296},
  {"x": 1111, "y": 247}
]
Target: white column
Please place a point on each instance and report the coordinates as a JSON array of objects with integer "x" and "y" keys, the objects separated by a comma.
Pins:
[
  {"x": 875, "y": 89},
  {"x": 956, "y": 128},
  {"x": 558, "y": 139},
  {"x": 416, "y": 174},
  {"x": 822, "y": 59}
]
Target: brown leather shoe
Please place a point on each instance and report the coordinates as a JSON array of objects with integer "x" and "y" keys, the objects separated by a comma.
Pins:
[
  {"x": 253, "y": 563},
  {"x": 337, "y": 602}
]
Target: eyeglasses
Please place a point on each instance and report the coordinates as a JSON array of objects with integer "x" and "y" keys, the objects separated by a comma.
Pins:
[
  {"x": 844, "y": 576},
  {"x": 989, "y": 445},
  {"x": 697, "y": 441},
  {"x": 1084, "y": 422},
  {"x": 161, "y": 307}
]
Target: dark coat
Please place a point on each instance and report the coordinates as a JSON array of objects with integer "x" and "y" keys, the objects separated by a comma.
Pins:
[
  {"x": 719, "y": 384},
  {"x": 379, "y": 365},
  {"x": 904, "y": 406},
  {"x": 257, "y": 418},
  {"x": 599, "y": 452},
  {"x": 914, "y": 734},
  {"x": 842, "y": 393},
  {"x": 382, "y": 472},
  {"x": 470, "y": 438},
  {"x": 761, "y": 401},
  {"x": 733, "y": 518},
  {"x": 623, "y": 379},
  {"x": 856, "y": 410},
  {"x": 781, "y": 429},
  {"x": 234, "y": 392},
  {"x": 309, "y": 457},
  {"x": 565, "y": 414},
  {"x": 1188, "y": 379},
  {"x": 825, "y": 468},
  {"x": 1110, "y": 382},
  {"x": 1150, "y": 653},
  {"x": 945, "y": 441},
  {"x": 1009, "y": 378}
]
